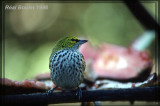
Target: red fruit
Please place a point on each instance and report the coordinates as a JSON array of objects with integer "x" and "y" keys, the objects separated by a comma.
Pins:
[{"x": 116, "y": 62}]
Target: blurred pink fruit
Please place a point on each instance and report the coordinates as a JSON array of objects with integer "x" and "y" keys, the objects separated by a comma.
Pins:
[{"x": 116, "y": 62}]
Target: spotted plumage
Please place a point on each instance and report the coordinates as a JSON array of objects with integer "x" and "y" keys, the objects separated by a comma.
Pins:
[{"x": 67, "y": 64}]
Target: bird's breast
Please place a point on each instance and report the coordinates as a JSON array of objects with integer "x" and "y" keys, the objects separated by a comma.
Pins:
[{"x": 67, "y": 68}]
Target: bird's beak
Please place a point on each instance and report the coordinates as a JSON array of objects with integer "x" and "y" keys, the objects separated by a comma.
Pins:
[{"x": 83, "y": 41}]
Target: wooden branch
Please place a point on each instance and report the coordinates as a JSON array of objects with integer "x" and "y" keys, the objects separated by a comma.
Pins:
[
  {"x": 142, "y": 15},
  {"x": 132, "y": 94}
]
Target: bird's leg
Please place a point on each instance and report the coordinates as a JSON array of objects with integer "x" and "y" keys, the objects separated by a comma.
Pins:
[
  {"x": 79, "y": 93},
  {"x": 51, "y": 90}
]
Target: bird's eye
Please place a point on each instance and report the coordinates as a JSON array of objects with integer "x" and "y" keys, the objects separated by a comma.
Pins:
[
  {"x": 72, "y": 39},
  {"x": 75, "y": 40}
]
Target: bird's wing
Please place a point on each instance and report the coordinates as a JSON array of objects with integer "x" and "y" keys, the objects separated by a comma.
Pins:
[
  {"x": 50, "y": 61},
  {"x": 83, "y": 60}
]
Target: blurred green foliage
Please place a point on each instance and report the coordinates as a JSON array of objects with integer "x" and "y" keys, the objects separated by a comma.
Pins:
[{"x": 30, "y": 34}]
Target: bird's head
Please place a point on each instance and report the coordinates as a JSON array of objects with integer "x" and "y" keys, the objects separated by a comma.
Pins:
[{"x": 68, "y": 43}]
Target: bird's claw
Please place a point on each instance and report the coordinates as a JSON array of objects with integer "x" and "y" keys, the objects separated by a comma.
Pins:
[
  {"x": 79, "y": 93},
  {"x": 50, "y": 91}
]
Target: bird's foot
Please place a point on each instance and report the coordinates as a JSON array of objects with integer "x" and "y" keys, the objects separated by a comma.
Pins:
[
  {"x": 79, "y": 93},
  {"x": 51, "y": 91}
]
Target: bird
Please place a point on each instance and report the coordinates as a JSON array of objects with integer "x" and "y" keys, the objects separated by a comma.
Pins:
[{"x": 67, "y": 64}]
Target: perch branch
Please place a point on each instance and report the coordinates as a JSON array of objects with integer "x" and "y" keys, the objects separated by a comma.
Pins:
[
  {"x": 142, "y": 15},
  {"x": 131, "y": 94}
]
